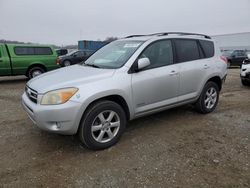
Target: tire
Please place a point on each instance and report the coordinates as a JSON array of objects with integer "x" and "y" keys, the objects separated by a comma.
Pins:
[
  {"x": 245, "y": 83},
  {"x": 66, "y": 63},
  {"x": 96, "y": 130},
  {"x": 229, "y": 64},
  {"x": 208, "y": 99},
  {"x": 35, "y": 71}
]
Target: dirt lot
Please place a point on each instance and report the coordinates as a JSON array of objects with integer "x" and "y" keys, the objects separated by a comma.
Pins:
[{"x": 175, "y": 148}]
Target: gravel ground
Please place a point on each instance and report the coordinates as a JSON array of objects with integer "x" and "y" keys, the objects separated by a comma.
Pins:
[{"x": 175, "y": 148}]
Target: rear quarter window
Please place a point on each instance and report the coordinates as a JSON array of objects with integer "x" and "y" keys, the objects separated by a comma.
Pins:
[
  {"x": 208, "y": 48},
  {"x": 33, "y": 51},
  {"x": 186, "y": 50},
  {"x": 43, "y": 51}
]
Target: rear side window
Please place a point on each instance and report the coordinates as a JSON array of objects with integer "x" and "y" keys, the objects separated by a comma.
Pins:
[
  {"x": 208, "y": 48},
  {"x": 33, "y": 51},
  {"x": 24, "y": 51},
  {"x": 186, "y": 50},
  {"x": 43, "y": 51}
]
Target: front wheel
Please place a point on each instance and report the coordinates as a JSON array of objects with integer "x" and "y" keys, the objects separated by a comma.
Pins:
[
  {"x": 102, "y": 125},
  {"x": 66, "y": 63},
  {"x": 208, "y": 99}
]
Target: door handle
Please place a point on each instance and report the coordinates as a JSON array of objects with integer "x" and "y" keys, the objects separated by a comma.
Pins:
[
  {"x": 173, "y": 72},
  {"x": 206, "y": 66}
]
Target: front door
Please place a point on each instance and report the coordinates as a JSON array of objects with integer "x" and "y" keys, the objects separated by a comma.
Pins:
[{"x": 157, "y": 85}]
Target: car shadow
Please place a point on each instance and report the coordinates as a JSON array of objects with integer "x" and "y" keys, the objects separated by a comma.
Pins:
[
  {"x": 13, "y": 80},
  {"x": 73, "y": 144}
]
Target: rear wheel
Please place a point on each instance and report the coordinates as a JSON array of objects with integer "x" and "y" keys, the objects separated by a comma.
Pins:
[
  {"x": 208, "y": 99},
  {"x": 102, "y": 125},
  {"x": 35, "y": 71}
]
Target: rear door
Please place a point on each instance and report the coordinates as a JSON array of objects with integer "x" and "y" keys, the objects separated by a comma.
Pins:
[
  {"x": 193, "y": 67},
  {"x": 5, "y": 68}
]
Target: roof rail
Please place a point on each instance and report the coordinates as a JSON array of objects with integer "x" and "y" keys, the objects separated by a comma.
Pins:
[
  {"x": 171, "y": 33},
  {"x": 183, "y": 33},
  {"x": 130, "y": 36}
]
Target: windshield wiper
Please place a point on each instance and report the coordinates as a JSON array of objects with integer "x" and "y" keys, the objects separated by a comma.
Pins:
[{"x": 91, "y": 65}]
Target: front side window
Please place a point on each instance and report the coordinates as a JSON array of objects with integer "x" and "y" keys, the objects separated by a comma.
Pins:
[
  {"x": 113, "y": 55},
  {"x": 159, "y": 53},
  {"x": 186, "y": 50},
  {"x": 78, "y": 54}
]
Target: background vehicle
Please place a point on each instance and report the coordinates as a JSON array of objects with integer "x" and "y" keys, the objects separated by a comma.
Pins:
[
  {"x": 91, "y": 45},
  {"x": 237, "y": 57},
  {"x": 29, "y": 60},
  {"x": 245, "y": 71},
  {"x": 74, "y": 57},
  {"x": 124, "y": 80},
  {"x": 61, "y": 52}
]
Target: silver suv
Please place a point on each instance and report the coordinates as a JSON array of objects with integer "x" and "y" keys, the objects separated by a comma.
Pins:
[{"x": 128, "y": 78}]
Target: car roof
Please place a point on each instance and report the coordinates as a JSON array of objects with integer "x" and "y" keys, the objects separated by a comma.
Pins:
[
  {"x": 29, "y": 45},
  {"x": 167, "y": 35}
]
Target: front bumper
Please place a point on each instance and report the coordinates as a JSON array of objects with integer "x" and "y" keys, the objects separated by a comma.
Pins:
[
  {"x": 246, "y": 77},
  {"x": 63, "y": 119},
  {"x": 245, "y": 72}
]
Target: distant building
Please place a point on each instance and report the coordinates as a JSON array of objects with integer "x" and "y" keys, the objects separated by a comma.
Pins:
[{"x": 236, "y": 41}]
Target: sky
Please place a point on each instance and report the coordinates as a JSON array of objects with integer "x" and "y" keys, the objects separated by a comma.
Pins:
[{"x": 64, "y": 22}]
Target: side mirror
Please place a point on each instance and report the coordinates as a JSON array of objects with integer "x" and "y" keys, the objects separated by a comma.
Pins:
[
  {"x": 142, "y": 63},
  {"x": 248, "y": 56}
]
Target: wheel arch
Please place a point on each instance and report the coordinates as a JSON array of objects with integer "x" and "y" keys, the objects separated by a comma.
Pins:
[
  {"x": 35, "y": 65},
  {"x": 217, "y": 80},
  {"x": 114, "y": 98}
]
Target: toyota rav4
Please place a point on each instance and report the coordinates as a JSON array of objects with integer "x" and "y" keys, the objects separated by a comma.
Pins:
[{"x": 128, "y": 78}]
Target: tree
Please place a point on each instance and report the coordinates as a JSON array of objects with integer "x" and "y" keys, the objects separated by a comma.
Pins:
[{"x": 110, "y": 39}]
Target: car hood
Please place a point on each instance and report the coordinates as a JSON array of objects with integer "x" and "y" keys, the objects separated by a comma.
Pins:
[{"x": 72, "y": 76}]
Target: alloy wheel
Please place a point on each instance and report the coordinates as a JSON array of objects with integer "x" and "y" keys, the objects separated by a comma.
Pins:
[
  {"x": 210, "y": 98},
  {"x": 105, "y": 126}
]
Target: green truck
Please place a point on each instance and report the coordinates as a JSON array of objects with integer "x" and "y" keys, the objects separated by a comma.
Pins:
[{"x": 28, "y": 60}]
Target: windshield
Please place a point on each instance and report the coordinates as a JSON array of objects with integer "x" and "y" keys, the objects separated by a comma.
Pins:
[
  {"x": 72, "y": 52},
  {"x": 113, "y": 55}
]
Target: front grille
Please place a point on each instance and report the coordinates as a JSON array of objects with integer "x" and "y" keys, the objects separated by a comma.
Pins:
[{"x": 31, "y": 93}]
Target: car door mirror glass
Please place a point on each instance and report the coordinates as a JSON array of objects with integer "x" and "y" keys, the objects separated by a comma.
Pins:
[{"x": 143, "y": 62}]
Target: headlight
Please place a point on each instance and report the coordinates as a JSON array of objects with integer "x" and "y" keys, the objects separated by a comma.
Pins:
[{"x": 59, "y": 96}]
